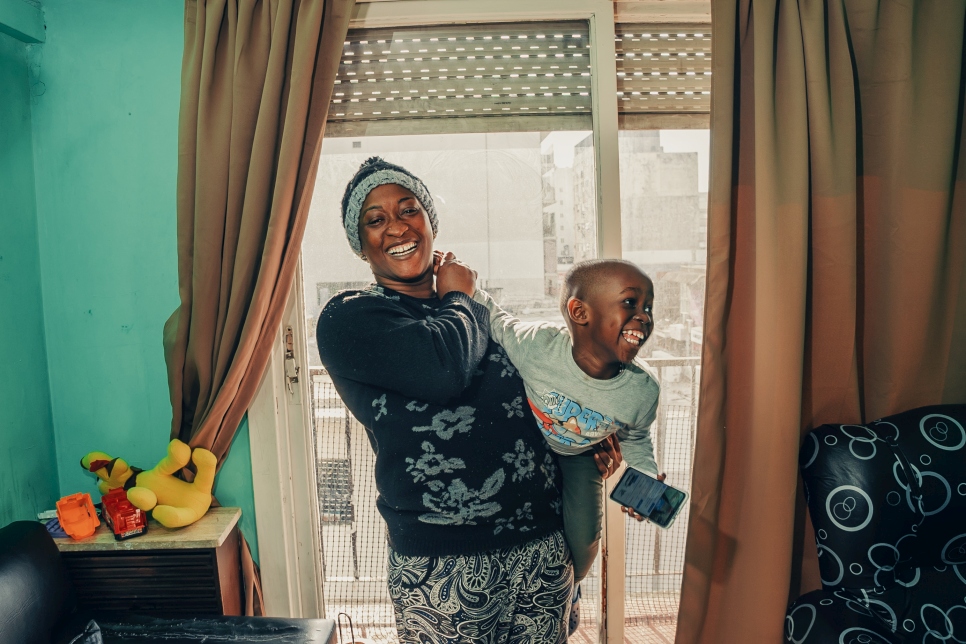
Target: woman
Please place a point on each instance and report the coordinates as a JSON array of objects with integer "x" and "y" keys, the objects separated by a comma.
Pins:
[{"x": 467, "y": 486}]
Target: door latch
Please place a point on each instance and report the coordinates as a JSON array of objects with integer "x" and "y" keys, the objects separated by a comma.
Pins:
[{"x": 292, "y": 368}]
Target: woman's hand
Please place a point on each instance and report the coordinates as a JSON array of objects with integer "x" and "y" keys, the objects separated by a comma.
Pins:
[
  {"x": 630, "y": 512},
  {"x": 607, "y": 456},
  {"x": 452, "y": 275}
]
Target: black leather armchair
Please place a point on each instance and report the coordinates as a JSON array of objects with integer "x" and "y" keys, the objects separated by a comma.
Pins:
[
  {"x": 887, "y": 501},
  {"x": 37, "y": 607}
]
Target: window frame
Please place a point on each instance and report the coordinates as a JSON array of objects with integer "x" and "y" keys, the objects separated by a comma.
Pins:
[
  {"x": 283, "y": 472},
  {"x": 284, "y": 482}
]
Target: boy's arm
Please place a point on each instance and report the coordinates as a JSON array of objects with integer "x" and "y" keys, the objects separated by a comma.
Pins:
[
  {"x": 510, "y": 333},
  {"x": 636, "y": 443}
]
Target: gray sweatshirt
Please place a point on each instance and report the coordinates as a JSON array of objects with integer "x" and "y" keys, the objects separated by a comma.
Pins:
[{"x": 573, "y": 410}]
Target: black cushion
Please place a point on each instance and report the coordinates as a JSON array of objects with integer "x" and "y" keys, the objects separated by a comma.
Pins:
[
  {"x": 934, "y": 441},
  {"x": 34, "y": 588},
  {"x": 854, "y": 501}
]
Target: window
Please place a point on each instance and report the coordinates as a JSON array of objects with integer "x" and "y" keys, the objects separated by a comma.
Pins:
[
  {"x": 517, "y": 201},
  {"x": 663, "y": 68},
  {"x": 589, "y": 111},
  {"x": 505, "y": 202}
]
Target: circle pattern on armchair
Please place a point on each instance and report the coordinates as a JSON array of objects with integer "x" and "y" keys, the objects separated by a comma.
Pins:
[{"x": 849, "y": 508}]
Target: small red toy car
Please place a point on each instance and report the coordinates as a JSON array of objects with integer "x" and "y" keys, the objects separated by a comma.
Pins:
[{"x": 124, "y": 520}]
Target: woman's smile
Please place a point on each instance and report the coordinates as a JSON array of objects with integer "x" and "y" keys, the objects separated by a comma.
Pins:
[{"x": 405, "y": 249}]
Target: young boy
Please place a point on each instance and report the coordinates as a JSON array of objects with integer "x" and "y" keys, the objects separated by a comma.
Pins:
[{"x": 583, "y": 384}]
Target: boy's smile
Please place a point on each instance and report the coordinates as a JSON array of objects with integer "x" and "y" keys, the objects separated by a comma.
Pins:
[{"x": 619, "y": 320}]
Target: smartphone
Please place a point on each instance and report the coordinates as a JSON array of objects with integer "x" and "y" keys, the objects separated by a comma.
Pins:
[{"x": 655, "y": 500}]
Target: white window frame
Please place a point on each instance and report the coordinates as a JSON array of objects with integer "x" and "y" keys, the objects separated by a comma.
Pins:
[
  {"x": 283, "y": 474},
  {"x": 283, "y": 470}
]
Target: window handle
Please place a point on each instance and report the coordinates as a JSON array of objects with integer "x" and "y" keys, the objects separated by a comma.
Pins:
[{"x": 292, "y": 368}]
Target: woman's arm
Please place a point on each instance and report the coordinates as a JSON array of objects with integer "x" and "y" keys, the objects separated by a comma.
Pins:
[{"x": 376, "y": 341}]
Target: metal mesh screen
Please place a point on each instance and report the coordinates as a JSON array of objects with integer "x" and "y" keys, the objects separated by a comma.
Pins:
[
  {"x": 353, "y": 532},
  {"x": 654, "y": 558}
]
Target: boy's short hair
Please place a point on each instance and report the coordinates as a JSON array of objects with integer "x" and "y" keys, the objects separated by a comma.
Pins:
[{"x": 580, "y": 279}]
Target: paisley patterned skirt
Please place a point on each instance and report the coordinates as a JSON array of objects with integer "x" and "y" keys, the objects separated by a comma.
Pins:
[{"x": 518, "y": 595}]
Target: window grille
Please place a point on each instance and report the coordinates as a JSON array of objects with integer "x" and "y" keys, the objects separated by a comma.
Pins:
[{"x": 663, "y": 68}]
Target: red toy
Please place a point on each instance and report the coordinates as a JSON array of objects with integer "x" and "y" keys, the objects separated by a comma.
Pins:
[{"x": 124, "y": 520}]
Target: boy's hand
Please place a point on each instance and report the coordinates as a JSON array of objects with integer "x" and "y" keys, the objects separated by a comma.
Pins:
[
  {"x": 630, "y": 511},
  {"x": 607, "y": 456},
  {"x": 452, "y": 275}
]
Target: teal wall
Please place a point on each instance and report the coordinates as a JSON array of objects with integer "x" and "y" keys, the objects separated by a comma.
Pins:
[
  {"x": 233, "y": 487},
  {"x": 28, "y": 470},
  {"x": 105, "y": 146}
]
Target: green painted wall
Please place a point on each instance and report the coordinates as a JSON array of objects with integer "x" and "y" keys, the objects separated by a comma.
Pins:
[
  {"x": 105, "y": 137},
  {"x": 28, "y": 471}
]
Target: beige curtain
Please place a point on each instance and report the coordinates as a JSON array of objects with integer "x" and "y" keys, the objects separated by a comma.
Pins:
[
  {"x": 255, "y": 86},
  {"x": 836, "y": 287}
]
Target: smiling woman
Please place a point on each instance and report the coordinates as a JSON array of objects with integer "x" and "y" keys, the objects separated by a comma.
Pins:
[{"x": 463, "y": 485}]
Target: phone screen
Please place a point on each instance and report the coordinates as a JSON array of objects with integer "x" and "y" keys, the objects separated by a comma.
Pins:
[{"x": 657, "y": 501}]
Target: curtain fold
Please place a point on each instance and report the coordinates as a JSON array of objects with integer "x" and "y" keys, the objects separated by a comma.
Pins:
[
  {"x": 256, "y": 82},
  {"x": 836, "y": 272}
]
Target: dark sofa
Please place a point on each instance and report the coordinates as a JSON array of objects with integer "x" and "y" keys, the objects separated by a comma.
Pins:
[
  {"x": 887, "y": 501},
  {"x": 37, "y": 606}
]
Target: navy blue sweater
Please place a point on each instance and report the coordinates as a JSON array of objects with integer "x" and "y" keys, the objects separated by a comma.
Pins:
[{"x": 459, "y": 466}]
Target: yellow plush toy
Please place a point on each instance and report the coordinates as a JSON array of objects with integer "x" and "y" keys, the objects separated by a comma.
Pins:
[{"x": 174, "y": 503}]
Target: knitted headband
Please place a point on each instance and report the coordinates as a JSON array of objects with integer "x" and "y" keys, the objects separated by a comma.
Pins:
[{"x": 373, "y": 173}]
